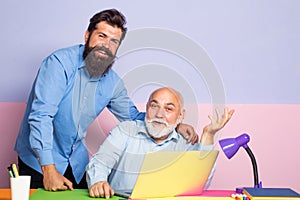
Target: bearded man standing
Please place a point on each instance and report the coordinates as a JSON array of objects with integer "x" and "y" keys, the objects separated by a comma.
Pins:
[
  {"x": 71, "y": 89},
  {"x": 116, "y": 164}
]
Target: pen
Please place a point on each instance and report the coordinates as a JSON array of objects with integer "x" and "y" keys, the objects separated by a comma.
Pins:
[
  {"x": 10, "y": 172},
  {"x": 15, "y": 170}
]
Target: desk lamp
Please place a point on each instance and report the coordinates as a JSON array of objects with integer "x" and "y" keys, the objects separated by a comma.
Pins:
[{"x": 231, "y": 145}]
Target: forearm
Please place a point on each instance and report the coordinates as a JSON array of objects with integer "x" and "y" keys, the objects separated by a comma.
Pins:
[
  {"x": 47, "y": 169},
  {"x": 108, "y": 155},
  {"x": 207, "y": 138},
  {"x": 96, "y": 171},
  {"x": 41, "y": 142},
  {"x": 101, "y": 163}
]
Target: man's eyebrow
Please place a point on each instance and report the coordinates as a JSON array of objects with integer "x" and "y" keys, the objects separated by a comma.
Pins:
[
  {"x": 100, "y": 32},
  {"x": 153, "y": 101},
  {"x": 105, "y": 35},
  {"x": 170, "y": 104}
]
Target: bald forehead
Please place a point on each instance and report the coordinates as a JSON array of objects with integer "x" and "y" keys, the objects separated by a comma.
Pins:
[{"x": 169, "y": 95}]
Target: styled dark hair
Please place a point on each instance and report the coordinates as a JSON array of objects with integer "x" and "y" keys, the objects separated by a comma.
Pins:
[{"x": 113, "y": 17}]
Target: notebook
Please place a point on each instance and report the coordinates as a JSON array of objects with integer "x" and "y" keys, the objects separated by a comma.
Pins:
[
  {"x": 271, "y": 193},
  {"x": 172, "y": 173}
]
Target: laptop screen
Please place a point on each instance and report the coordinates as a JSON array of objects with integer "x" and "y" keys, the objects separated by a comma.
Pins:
[{"x": 174, "y": 173}]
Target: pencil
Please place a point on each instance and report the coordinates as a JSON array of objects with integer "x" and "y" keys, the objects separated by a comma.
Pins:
[{"x": 15, "y": 170}]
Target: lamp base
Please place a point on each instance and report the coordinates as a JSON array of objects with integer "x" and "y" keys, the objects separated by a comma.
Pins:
[{"x": 259, "y": 185}]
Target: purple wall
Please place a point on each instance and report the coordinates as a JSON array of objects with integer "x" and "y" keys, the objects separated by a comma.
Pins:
[{"x": 254, "y": 45}]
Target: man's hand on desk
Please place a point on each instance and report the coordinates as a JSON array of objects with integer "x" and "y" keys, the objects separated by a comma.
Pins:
[
  {"x": 53, "y": 180},
  {"x": 101, "y": 189}
]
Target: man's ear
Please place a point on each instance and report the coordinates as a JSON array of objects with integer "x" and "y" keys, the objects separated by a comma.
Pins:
[
  {"x": 181, "y": 115},
  {"x": 86, "y": 36}
]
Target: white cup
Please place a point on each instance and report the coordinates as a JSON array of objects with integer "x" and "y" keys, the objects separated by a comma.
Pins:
[{"x": 20, "y": 188}]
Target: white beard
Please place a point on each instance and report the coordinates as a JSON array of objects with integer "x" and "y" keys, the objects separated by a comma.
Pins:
[{"x": 158, "y": 131}]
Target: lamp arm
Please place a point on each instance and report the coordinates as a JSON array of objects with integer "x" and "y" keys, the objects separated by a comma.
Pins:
[{"x": 255, "y": 171}]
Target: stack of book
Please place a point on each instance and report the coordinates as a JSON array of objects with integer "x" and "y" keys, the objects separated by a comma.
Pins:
[{"x": 271, "y": 193}]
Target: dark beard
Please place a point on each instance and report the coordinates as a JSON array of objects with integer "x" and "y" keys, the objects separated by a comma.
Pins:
[{"x": 95, "y": 64}]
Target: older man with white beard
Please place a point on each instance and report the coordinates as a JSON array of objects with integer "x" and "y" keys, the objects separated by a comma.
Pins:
[{"x": 116, "y": 164}]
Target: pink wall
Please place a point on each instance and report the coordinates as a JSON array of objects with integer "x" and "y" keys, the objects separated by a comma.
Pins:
[
  {"x": 274, "y": 131},
  {"x": 10, "y": 119}
]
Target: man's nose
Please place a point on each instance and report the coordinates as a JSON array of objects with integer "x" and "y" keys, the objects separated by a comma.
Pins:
[
  {"x": 105, "y": 43},
  {"x": 160, "y": 113}
]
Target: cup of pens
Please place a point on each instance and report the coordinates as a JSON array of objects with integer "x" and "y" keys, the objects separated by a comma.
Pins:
[{"x": 19, "y": 185}]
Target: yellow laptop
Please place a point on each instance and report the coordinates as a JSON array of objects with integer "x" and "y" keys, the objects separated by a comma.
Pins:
[{"x": 173, "y": 173}]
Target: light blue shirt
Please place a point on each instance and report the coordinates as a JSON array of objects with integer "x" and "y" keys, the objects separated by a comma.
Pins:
[
  {"x": 63, "y": 102},
  {"x": 120, "y": 157}
]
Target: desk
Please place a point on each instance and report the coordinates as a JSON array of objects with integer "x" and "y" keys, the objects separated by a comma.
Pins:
[
  {"x": 6, "y": 195},
  {"x": 209, "y": 194}
]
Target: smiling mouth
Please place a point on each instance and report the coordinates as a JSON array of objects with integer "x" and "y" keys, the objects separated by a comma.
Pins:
[
  {"x": 155, "y": 123},
  {"x": 101, "y": 53}
]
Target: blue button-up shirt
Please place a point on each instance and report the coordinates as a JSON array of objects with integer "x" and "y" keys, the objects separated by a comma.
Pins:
[
  {"x": 120, "y": 157},
  {"x": 63, "y": 102}
]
